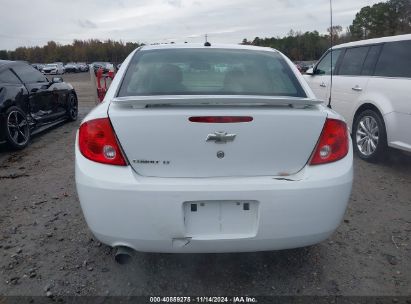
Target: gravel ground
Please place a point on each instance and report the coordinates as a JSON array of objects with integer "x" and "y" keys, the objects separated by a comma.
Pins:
[{"x": 46, "y": 247}]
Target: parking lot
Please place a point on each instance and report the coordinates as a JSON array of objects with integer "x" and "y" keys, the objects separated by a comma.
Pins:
[{"x": 46, "y": 246}]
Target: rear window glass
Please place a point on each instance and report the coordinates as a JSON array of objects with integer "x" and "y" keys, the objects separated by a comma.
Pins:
[
  {"x": 369, "y": 63},
  {"x": 209, "y": 72},
  {"x": 28, "y": 74},
  {"x": 395, "y": 60},
  {"x": 353, "y": 61},
  {"x": 8, "y": 76}
]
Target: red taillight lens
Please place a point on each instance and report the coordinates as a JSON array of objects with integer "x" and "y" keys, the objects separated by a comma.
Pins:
[
  {"x": 333, "y": 143},
  {"x": 98, "y": 143},
  {"x": 220, "y": 119}
]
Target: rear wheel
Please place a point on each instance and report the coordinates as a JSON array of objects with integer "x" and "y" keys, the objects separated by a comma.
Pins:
[
  {"x": 72, "y": 107},
  {"x": 369, "y": 136},
  {"x": 17, "y": 128}
]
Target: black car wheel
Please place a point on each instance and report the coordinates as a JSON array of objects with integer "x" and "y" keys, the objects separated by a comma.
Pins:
[
  {"x": 369, "y": 136},
  {"x": 72, "y": 107},
  {"x": 17, "y": 128}
]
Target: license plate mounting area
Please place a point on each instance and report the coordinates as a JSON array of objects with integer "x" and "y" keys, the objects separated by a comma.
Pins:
[{"x": 225, "y": 219}]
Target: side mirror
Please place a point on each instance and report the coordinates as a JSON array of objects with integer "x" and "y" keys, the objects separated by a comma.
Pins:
[
  {"x": 310, "y": 71},
  {"x": 56, "y": 79}
]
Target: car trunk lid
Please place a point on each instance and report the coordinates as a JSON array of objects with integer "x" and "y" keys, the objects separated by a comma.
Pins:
[{"x": 159, "y": 139}]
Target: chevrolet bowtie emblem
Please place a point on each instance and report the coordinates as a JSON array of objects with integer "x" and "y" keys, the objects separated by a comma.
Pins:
[{"x": 220, "y": 137}]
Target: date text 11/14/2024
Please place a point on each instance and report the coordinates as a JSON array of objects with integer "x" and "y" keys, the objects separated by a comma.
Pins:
[{"x": 203, "y": 299}]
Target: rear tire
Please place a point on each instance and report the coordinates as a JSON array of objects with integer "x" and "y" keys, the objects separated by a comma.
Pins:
[
  {"x": 369, "y": 136},
  {"x": 72, "y": 107},
  {"x": 17, "y": 128}
]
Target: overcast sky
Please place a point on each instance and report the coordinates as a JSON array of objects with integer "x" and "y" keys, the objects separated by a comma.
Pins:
[{"x": 30, "y": 23}]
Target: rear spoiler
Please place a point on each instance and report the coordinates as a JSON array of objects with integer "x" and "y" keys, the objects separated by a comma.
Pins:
[{"x": 140, "y": 102}]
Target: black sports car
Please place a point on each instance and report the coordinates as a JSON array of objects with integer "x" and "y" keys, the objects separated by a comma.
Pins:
[{"x": 30, "y": 103}]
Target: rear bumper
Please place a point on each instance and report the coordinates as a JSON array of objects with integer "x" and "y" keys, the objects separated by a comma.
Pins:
[{"x": 124, "y": 209}]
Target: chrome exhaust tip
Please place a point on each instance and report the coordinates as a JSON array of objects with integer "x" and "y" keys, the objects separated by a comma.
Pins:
[{"x": 123, "y": 255}]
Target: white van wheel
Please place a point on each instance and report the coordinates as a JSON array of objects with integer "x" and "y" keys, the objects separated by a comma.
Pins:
[{"x": 369, "y": 136}]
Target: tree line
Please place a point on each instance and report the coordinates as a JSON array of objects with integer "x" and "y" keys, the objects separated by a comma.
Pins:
[
  {"x": 388, "y": 18},
  {"x": 78, "y": 51}
]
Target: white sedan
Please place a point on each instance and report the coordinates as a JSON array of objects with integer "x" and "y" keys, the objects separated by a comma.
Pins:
[
  {"x": 212, "y": 149},
  {"x": 53, "y": 69}
]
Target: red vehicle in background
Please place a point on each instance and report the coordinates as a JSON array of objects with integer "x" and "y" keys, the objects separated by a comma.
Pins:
[{"x": 102, "y": 89}]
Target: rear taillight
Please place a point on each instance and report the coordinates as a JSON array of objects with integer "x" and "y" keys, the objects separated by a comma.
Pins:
[
  {"x": 333, "y": 143},
  {"x": 98, "y": 142}
]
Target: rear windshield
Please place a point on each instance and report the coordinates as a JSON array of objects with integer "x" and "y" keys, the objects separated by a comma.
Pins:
[{"x": 209, "y": 72}]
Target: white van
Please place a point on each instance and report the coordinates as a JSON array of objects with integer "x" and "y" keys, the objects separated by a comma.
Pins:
[{"x": 371, "y": 88}]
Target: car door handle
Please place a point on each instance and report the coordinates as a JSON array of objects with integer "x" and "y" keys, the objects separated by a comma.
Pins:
[
  {"x": 34, "y": 90},
  {"x": 323, "y": 85},
  {"x": 357, "y": 88}
]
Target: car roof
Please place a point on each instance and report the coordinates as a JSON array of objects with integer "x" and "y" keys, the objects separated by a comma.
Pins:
[
  {"x": 4, "y": 64},
  {"x": 374, "y": 41},
  {"x": 202, "y": 46}
]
